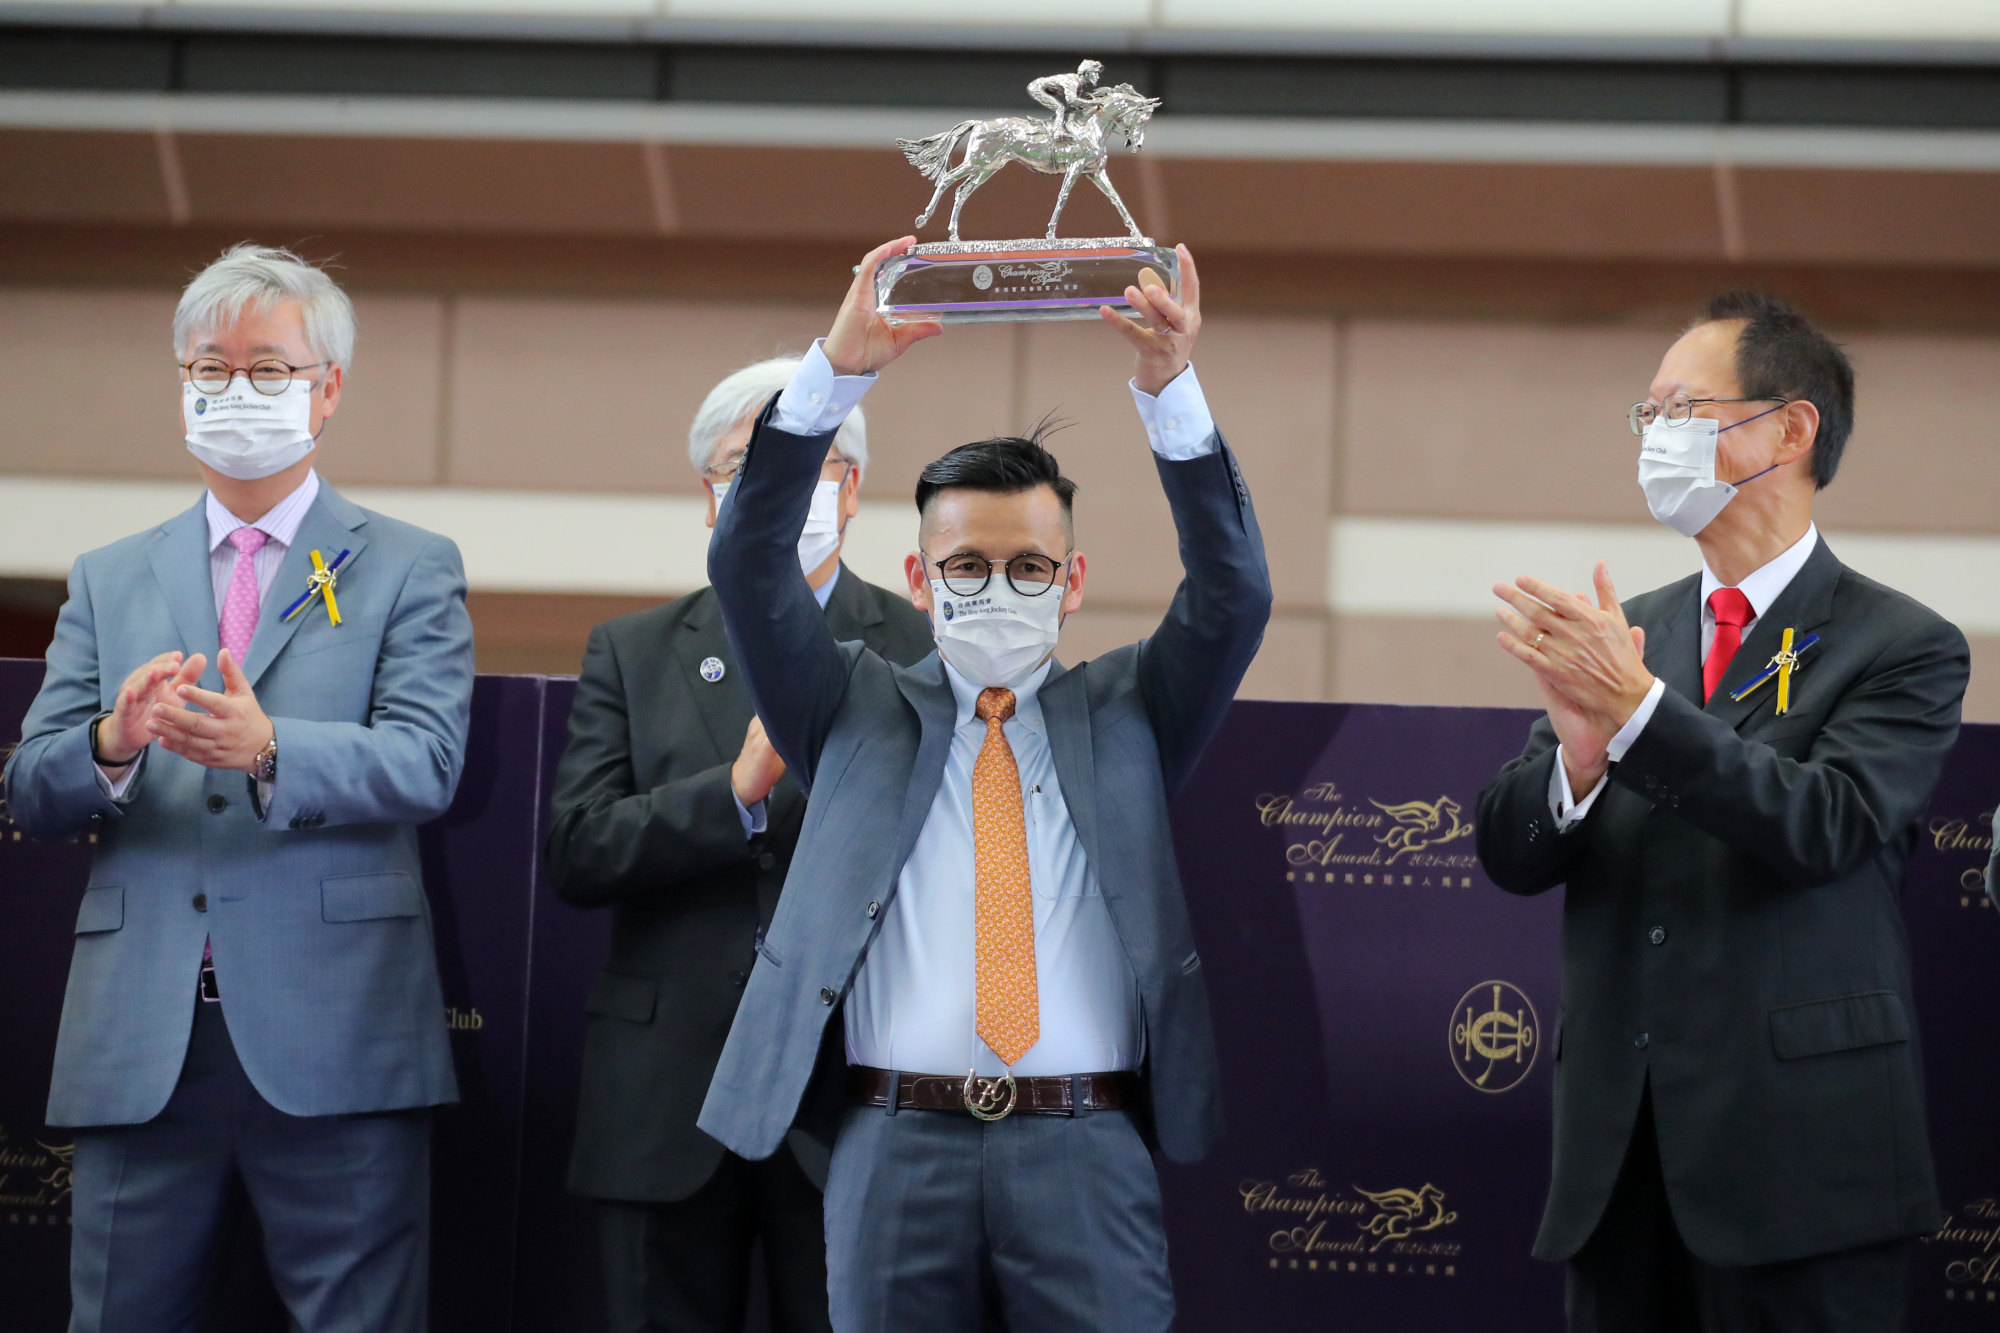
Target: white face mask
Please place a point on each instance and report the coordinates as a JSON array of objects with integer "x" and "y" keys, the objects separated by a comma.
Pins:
[
  {"x": 998, "y": 637},
  {"x": 245, "y": 434},
  {"x": 1677, "y": 472},
  {"x": 821, "y": 537}
]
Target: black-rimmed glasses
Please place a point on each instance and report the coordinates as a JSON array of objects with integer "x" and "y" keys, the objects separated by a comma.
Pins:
[
  {"x": 1030, "y": 574},
  {"x": 211, "y": 374},
  {"x": 1678, "y": 408}
]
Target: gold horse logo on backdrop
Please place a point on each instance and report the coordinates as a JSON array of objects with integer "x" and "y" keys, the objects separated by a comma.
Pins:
[
  {"x": 1494, "y": 1049},
  {"x": 1404, "y": 1213},
  {"x": 1421, "y": 824}
]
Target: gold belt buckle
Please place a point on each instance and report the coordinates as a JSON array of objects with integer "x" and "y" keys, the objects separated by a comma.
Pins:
[{"x": 983, "y": 1095}]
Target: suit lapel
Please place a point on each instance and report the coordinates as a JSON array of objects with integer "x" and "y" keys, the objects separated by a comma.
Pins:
[
  {"x": 929, "y": 693},
  {"x": 1673, "y": 644},
  {"x": 179, "y": 557},
  {"x": 724, "y": 705},
  {"x": 850, "y": 610},
  {"x": 330, "y": 526},
  {"x": 1066, "y": 713},
  {"x": 1804, "y": 606}
]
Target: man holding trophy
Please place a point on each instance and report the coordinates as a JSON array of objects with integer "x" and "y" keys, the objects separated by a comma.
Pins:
[{"x": 981, "y": 985}]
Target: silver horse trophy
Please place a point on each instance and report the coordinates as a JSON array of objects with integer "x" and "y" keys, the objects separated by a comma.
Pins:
[{"x": 967, "y": 282}]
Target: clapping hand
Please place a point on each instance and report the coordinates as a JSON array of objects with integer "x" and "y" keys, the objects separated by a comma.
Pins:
[
  {"x": 122, "y": 735},
  {"x": 1589, "y": 663},
  {"x": 229, "y": 734}
]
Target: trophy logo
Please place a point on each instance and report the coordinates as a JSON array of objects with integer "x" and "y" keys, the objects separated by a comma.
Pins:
[
  {"x": 954, "y": 281},
  {"x": 1494, "y": 1036}
]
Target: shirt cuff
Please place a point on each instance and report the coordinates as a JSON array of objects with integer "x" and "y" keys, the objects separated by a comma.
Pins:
[
  {"x": 1569, "y": 811},
  {"x": 755, "y": 818},
  {"x": 816, "y": 400},
  {"x": 1636, "y": 723},
  {"x": 115, "y": 788},
  {"x": 1177, "y": 420}
]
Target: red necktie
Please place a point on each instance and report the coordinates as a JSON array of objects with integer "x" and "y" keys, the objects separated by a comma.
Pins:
[{"x": 1732, "y": 612}]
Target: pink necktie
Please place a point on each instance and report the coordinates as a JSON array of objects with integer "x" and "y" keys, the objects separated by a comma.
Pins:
[{"x": 239, "y": 605}]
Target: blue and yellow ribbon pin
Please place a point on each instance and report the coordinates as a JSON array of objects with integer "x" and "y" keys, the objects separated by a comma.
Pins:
[
  {"x": 1780, "y": 667},
  {"x": 321, "y": 582}
]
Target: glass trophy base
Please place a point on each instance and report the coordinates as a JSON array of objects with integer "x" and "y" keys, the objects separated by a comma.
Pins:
[{"x": 988, "y": 282}]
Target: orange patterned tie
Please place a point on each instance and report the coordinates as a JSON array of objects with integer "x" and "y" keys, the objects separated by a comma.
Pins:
[{"x": 1003, "y": 905}]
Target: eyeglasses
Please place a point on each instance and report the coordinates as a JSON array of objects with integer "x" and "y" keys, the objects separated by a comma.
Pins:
[
  {"x": 1678, "y": 408},
  {"x": 211, "y": 374},
  {"x": 1031, "y": 575},
  {"x": 833, "y": 469}
]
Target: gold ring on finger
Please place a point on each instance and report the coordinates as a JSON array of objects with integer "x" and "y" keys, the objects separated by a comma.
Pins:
[{"x": 1537, "y": 644}]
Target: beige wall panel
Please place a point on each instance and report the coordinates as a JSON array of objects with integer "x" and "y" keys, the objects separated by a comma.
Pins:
[
  {"x": 1270, "y": 385},
  {"x": 1925, "y": 439},
  {"x": 1982, "y": 696},
  {"x": 946, "y": 392},
  {"x": 1383, "y": 659},
  {"x": 1513, "y": 209},
  {"x": 596, "y": 395},
  {"x": 1494, "y": 420},
  {"x": 1291, "y": 664},
  {"x": 65, "y": 176},
  {"x": 1874, "y": 217},
  {"x": 386, "y": 432},
  {"x": 89, "y": 383},
  {"x": 474, "y": 185}
]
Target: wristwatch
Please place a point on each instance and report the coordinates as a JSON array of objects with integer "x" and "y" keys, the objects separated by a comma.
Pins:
[{"x": 264, "y": 768}]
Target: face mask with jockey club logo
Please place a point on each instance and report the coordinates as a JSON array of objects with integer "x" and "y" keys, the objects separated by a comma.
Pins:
[
  {"x": 999, "y": 636},
  {"x": 248, "y": 435},
  {"x": 1677, "y": 472}
]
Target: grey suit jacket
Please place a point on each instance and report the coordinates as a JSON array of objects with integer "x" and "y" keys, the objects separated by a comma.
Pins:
[
  {"x": 870, "y": 739},
  {"x": 1732, "y": 932},
  {"x": 321, "y": 931}
]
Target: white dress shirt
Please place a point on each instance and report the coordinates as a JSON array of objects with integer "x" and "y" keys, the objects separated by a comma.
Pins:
[
  {"x": 914, "y": 1006},
  {"x": 1761, "y": 588},
  {"x": 280, "y": 527}
]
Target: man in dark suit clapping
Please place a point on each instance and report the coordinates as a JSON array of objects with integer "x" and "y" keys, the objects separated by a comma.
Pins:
[
  {"x": 1729, "y": 782},
  {"x": 672, "y": 809}
]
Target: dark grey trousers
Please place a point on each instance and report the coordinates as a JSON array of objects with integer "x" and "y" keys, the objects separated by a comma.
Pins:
[
  {"x": 343, "y": 1203},
  {"x": 929, "y": 1214}
]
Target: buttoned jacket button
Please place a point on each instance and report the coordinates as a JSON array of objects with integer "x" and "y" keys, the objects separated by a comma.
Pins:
[
  {"x": 217, "y": 804},
  {"x": 825, "y": 995},
  {"x": 765, "y": 860},
  {"x": 1643, "y": 1040},
  {"x": 201, "y": 902},
  {"x": 874, "y": 910},
  {"x": 1658, "y": 934},
  {"x": 738, "y": 979}
]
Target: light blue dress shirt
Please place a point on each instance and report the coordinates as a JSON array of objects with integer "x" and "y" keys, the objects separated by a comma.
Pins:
[{"x": 914, "y": 1006}]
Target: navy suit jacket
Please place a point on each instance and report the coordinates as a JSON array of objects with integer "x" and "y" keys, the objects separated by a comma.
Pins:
[{"x": 870, "y": 739}]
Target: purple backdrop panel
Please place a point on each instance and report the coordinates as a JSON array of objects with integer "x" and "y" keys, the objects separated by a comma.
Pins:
[
  {"x": 479, "y": 867},
  {"x": 1382, "y": 1012},
  {"x": 1955, "y": 937},
  {"x": 556, "y": 1284},
  {"x": 41, "y": 884}
]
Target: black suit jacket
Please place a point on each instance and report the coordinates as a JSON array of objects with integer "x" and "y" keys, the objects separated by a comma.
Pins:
[
  {"x": 645, "y": 823},
  {"x": 1732, "y": 932}
]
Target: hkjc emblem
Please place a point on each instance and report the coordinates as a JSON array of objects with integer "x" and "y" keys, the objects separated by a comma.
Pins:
[
  {"x": 712, "y": 669},
  {"x": 1495, "y": 1035}
]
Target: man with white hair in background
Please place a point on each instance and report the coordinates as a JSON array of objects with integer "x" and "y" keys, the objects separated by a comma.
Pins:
[
  {"x": 672, "y": 809},
  {"x": 253, "y": 1019}
]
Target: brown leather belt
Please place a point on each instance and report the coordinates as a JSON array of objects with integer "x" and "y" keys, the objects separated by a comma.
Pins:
[{"x": 992, "y": 1098}]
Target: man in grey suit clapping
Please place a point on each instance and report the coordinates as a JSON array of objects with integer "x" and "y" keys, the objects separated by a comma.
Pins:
[
  {"x": 253, "y": 1014},
  {"x": 984, "y": 889}
]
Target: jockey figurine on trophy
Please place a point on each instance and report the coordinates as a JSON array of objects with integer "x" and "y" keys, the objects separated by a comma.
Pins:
[{"x": 1061, "y": 92}]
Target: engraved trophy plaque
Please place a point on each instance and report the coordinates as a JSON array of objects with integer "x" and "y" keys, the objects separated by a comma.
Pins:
[{"x": 972, "y": 282}]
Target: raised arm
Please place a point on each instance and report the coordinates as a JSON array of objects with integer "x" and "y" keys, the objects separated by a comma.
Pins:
[
  {"x": 797, "y": 675},
  {"x": 1189, "y": 669}
]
